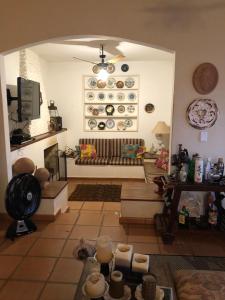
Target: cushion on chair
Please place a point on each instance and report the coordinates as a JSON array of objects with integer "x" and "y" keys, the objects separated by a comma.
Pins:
[
  {"x": 115, "y": 145},
  {"x": 87, "y": 151},
  {"x": 101, "y": 145},
  {"x": 200, "y": 285},
  {"x": 163, "y": 161},
  {"x": 129, "y": 151},
  {"x": 141, "y": 151},
  {"x": 122, "y": 161}
]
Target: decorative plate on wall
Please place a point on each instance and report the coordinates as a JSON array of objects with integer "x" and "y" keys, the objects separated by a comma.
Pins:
[
  {"x": 121, "y": 109},
  {"x": 131, "y": 96},
  {"x": 121, "y": 125},
  {"x": 109, "y": 109},
  {"x": 90, "y": 96},
  {"x": 95, "y": 112},
  {"x": 202, "y": 113},
  {"x": 90, "y": 108},
  {"x": 120, "y": 96},
  {"x": 92, "y": 123},
  {"x": 124, "y": 67},
  {"x": 110, "y": 96},
  {"x": 111, "y": 82},
  {"x": 101, "y": 109},
  {"x": 129, "y": 82},
  {"x": 128, "y": 123},
  {"x": 101, "y": 84},
  {"x": 101, "y": 96},
  {"x": 205, "y": 78},
  {"x": 110, "y": 123},
  {"x": 130, "y": 109},
  {"x": 119, "y": 84},
  {"x": 101, "y": 125},
  {"x": 149, "y": 108},
  {"x": 92, "y": 82}
]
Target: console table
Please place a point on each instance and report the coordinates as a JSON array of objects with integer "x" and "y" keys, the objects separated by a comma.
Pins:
[{"x": 165, "y": 222}]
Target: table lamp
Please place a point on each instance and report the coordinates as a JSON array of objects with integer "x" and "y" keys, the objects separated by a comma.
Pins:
[{"x": 161, "y": 128}]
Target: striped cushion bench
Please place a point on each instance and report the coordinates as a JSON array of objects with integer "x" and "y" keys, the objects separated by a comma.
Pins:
[
  {"x": 109, "y": 152},
  {"x": 121, "y": 161},
  {"x": 92, "y": 161}
]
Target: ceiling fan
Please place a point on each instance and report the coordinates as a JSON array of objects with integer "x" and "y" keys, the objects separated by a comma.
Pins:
[{"x": 107, "y": 66}]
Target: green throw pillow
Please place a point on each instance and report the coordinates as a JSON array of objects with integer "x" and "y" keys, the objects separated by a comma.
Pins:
[{"x": 129, "y": 151}]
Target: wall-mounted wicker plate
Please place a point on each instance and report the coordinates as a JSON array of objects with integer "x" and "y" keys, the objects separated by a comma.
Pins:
[{"x": 205, "y": 78}]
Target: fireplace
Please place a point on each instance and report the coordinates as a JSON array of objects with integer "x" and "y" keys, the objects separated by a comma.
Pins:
[
  {"x": 55, "y": 162},
  {"x": 52, "y": 161}
]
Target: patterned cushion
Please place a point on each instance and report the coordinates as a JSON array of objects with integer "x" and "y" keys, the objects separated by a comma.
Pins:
[
  {"x": 163, "y": 161},
  {"x": 129, "y": 151},
  {"x": 140, "y": 152},
  {"x": 120, "y": 161},
  {"x": 92, "y": 161},
  {"x": 87, "y": 151},
  {"x": 200, "y": 285},
  {"x": 101, "y": 145},
  {"x": 115, "y": 145}
]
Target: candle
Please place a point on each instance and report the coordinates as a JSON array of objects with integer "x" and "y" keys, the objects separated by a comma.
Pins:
[{"x": 104, "y": 249}]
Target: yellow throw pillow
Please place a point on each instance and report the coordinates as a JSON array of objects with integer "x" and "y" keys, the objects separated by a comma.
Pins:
[{"x": 87, "y": 151}]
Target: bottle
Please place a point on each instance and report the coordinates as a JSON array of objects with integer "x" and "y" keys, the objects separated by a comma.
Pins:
[
  {"x": 212, "y": 214},
  {"x": 183, "y": 217},
  {"x": 183, "y": 174},
  {"x": 207, "y": 169},
  {"x": 220, "y": 166},
  {"x": 198, "y": 169},
  {"x": 191, "y": 168}
]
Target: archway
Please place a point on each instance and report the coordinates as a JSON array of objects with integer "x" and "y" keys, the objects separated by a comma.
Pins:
[{"x": 6, "y": 144}]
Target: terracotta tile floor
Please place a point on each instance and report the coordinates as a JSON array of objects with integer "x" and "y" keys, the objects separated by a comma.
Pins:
[{"x": 41, "y": 266}]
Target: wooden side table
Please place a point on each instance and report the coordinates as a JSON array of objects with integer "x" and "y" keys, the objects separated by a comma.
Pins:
[{"x": 165, "y": 222}]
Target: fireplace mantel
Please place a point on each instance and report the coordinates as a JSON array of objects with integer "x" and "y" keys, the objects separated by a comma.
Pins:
[{"x": 37, "y": 138}]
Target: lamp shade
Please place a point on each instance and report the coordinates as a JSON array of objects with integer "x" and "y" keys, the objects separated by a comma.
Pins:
[{"x": 161, "y": 128}]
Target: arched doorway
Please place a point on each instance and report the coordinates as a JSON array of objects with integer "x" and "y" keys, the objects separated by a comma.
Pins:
[{"x": 82, "y": 41}]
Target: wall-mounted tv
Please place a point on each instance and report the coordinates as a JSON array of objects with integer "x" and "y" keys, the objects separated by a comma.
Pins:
[{"x": 29, "y": 99}]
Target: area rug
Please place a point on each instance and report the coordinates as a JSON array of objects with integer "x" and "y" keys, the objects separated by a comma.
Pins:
[
  {"x": 165, "y": 266},
  {"x": 96, "y": 192}
]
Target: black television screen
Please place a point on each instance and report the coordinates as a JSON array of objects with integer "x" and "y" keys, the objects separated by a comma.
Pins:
[{"x": 28, "y": 99}]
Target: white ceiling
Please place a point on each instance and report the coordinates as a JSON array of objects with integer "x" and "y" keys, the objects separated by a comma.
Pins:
[{"x": 88, "y": 49}]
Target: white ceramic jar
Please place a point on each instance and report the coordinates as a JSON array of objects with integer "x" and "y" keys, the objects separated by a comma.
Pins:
[{"x": 95, "y": 285}]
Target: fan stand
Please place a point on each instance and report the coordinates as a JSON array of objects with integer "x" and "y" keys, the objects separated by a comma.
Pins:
[{"x": 20, "y": 227}]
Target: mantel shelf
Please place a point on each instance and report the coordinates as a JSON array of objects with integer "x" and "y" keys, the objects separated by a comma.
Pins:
[{"x": 37, "y": 138}]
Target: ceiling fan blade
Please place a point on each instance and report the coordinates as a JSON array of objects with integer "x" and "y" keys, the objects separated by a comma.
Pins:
[
  {"x": 88, "y": 61},
  {"x": 116, "y": 58}
]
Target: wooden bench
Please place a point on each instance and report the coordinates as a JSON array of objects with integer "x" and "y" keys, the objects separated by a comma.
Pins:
[{"x": 54, "y": 201}]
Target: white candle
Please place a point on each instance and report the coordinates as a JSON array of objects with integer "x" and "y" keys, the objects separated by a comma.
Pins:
[{"x": 104, "y": 249}]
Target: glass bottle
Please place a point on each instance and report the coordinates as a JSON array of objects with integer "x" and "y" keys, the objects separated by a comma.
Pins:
[
  {"x": 208, "y": 167},
  {"x": 220, "y": 166},
  {"x": 198, "y": 169},
  {"x": 183, "y": 174},
  {"x": 183, "y": 217},
  {"x": 191, "y": 168}
]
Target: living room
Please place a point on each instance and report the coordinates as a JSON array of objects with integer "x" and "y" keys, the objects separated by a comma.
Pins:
[{"x": 194, "y": 34}]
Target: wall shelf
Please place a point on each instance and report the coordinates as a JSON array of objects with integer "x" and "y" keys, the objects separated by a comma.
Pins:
[{"x": 36, "y": 139}]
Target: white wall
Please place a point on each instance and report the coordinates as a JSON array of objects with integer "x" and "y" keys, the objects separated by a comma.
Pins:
[
  {"x": 37, "y": 70},
  {"x": 156, "y": 86}
]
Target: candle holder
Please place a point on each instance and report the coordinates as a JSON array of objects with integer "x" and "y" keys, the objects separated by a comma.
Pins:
[{"x": 104, "y": 253}]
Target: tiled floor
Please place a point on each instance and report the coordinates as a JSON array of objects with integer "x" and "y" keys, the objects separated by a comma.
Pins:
[{"x": 41, "y": 265}]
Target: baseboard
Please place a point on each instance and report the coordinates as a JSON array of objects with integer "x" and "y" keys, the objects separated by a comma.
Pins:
[
  {"x": 51, "y": 218},
  {"x": 104, "y": 178},
  {"x": 140, "y": 221}
]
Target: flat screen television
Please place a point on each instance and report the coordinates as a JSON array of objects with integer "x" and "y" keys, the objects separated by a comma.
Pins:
[{"x": 29, "y": 99}]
